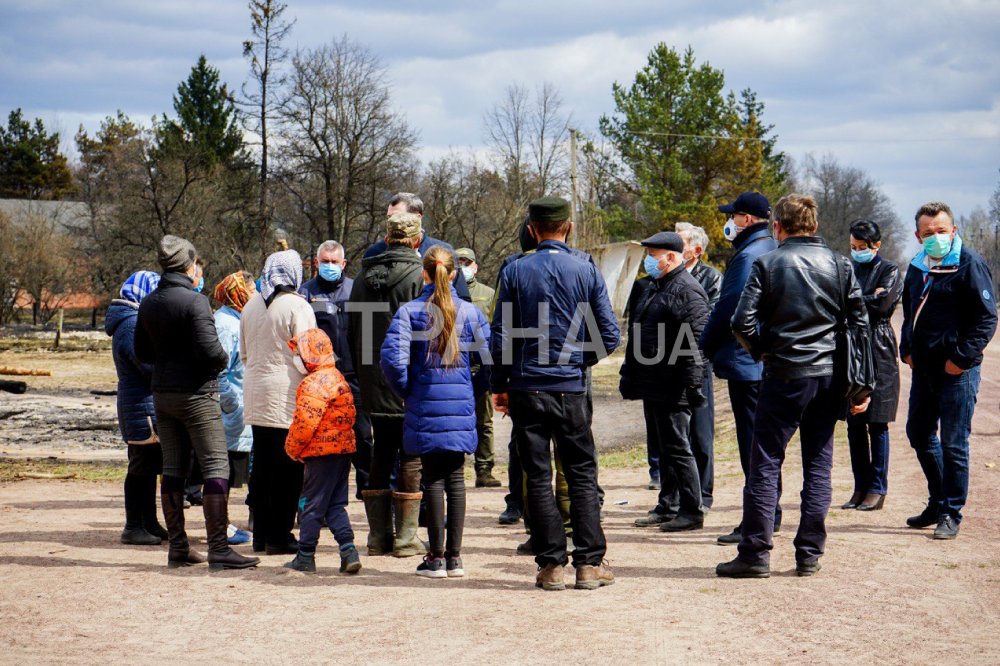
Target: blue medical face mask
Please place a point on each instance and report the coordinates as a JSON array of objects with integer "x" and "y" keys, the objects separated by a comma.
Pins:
[
  {"x": 330, "y": 272},
  {"x": 863, "y": 256},
  {"x": 938, "y": 246},
  {"x": 650, "y": 265},
  {"x": 467, "y": 273},
  {"x": 201, "y": 284}
]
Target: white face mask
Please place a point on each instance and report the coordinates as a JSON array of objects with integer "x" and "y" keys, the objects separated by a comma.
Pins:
[
  {"x": 299, "y": 365},
  {"x": 731, "y": 231}
]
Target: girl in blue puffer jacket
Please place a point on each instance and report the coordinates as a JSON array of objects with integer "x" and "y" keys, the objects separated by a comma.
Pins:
[
  {"x": 136, "y": 416},
  {"x": 426, "y": 360}
]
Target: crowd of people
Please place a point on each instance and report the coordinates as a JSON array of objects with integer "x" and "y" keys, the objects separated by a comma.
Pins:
[{"x": 396, "y": 373}]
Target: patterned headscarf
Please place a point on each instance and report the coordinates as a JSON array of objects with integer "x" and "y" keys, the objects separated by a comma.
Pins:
[
  {"x": 233, "y": 291},
  {"x": 281, "y": 269},
  {"x": 314, "y": 348},
  {"x": 139, "y": 285}
]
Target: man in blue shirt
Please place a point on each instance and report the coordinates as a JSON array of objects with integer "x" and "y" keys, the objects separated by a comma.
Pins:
[
  {"x": 949, "y": 316},
  {"x": 552, "y": 320}
]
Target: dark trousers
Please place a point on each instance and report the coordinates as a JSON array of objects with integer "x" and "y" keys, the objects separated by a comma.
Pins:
[
  {"x": 743, "y": 397},
  {"x": 811, "y": 406},
  {"x": 191, "y": 422},
  {"x": 275, "y": 486},
  {"x": 324, "y": 493},
  {"x": 680, "y": 490},
  {"x": 444, "y": 473},
  {"x": 869, "y": 444},
  {"x": 484, "y": 430},
  {"x": 362, "y": 457},
  {"x": 388, "y": 433},
  {"x": 945, "y": 401},
  {"x": 703, "y": 439},
  {"x": 515, "y": 477},
  {"x": 539, "y": 417}
]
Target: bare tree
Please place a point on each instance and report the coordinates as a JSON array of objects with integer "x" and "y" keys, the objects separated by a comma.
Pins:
[
  {"x": 260, "y": 100},
  {"x": 342, "y": 139}
]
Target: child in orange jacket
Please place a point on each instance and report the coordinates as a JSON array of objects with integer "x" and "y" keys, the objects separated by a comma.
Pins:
[{"x": 322, "y": 436}]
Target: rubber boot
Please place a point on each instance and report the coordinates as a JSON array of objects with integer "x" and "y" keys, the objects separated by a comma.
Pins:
[
  {"x": 378, "y": 507},
  {"x": 134, "y": 533},
  {"x": 180, "y": 553},
  {"x": 220, "y": 555},
  {"x": 407, "y": 507}
]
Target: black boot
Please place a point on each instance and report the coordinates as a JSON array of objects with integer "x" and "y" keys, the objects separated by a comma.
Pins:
[
  {"x": 180, "y": 554},
  {"x": 134, "y": 534},
  {"x": 220, "y": 555},
  {"x": 149, "y": 519},
  {"x": 739, "y": 569},
  {"x": 927, "y": 517}
]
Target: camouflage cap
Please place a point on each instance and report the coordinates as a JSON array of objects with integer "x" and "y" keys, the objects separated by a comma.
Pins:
[
  {"x": 403, "y": 226},
  {"x": 465, "y": 253}
]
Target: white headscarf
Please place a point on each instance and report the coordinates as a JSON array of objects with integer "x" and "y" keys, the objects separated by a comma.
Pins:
[{"x": 281, "y": 268}]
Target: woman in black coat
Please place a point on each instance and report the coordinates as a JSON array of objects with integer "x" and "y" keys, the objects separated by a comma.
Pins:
[{"x": 868, "y": 432}]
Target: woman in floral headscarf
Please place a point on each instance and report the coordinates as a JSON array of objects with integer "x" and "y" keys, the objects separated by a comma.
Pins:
[
  {"x": 233, "y": 293},
  {"x": 270, "y": 319},
  {"x": 136, "y": 416}
]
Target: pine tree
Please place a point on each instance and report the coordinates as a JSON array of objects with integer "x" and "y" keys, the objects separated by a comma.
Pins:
[
  {"x": 31, "y": 166},
  {"x": 206, "y": 117}
]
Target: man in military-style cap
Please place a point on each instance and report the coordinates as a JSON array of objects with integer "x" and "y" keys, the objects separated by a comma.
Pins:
[
  {"x": 482, "y": 298},
  {"x": 664, "y": 368},
  {"x": 539, "y": 378}
]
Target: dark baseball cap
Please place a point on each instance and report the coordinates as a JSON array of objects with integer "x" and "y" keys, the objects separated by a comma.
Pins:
[{"x": 751, "y": 203}]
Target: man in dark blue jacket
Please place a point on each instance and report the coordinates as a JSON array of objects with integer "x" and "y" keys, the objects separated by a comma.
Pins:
[
  {"x": 747, "y": 230},
  {"x": 553, "y": 319},
  {"x": 949, "y": 316},
  {"x": 328, "y": 293}
]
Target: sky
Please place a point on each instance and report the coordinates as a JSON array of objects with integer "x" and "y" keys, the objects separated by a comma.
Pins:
[{"x": 908, "y": 91}]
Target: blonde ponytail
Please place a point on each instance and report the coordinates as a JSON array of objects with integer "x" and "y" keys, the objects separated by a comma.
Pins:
[{"x": 439, "y": 264}]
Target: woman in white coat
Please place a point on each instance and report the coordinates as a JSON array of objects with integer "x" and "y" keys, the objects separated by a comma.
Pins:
[{"x": 270, "y": 319}]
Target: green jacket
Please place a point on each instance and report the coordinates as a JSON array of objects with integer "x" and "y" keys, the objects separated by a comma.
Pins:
[
  {"x": 482, "y": 297},
  {"x": 386, "y": 281}
]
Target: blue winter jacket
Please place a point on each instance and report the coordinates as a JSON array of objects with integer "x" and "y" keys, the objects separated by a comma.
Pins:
[
  {"x": 581, "y": 327},
  {"x": 136, "y": 416},
  {"x": 440, "y": 402},
  {"x": 239, "y": 437},
  {"x": 729, "y": 360}
]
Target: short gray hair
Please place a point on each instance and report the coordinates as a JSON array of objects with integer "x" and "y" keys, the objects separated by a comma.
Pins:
[
  {"x": 698, "y": 235},
  {"x": 329, "y": 246},
  {"x": 413, "y": 202}
]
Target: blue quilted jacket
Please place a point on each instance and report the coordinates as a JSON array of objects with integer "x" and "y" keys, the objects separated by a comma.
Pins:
[
  {"x": 136, "y": 416},
  {"x": 440, "y": 402}
]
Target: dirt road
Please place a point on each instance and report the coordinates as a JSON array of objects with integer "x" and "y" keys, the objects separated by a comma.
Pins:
[{"x": 71, "y": 594}]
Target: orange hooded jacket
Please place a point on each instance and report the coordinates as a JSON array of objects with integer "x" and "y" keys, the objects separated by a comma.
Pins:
[{"x": 324, "y": 406}]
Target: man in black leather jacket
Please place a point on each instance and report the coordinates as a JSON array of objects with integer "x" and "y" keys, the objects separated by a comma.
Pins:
[{"x": 787, "y": 317}]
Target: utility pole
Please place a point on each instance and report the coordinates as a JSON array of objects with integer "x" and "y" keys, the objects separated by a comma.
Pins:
[{"x": 574, "y": 211}]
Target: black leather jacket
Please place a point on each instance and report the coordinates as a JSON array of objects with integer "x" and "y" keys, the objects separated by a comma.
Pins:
[
  {"x": 710, "y": 280},
  {"x": 789, "y": 310}
]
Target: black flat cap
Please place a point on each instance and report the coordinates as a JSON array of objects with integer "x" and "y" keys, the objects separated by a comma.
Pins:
[
  {"x": 750, "y": 203},
  {"x": 549, "y": 209},
  {"x": 665, "y": 240}
]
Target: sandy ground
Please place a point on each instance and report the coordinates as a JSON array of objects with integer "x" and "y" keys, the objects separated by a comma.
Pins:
[{"x": 889, "y": 595}]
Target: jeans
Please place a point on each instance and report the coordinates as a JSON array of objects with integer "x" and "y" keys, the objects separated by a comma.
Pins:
[
  {"x": 812, "y": 406},
  {"x": 947, "y": 402},
  {"x": 680, "y": 490},
  {"x": 444, "y": 473},
  {"x": 743, "y": 396},
  {"x": 869, "y": 443},
  {"x": 324, "y": 492},
  {"x": 187, "y": 422},
  {"x": 538, "y": 417},
  {"x": 388, "y": 450},
  {"x": 703, "y": 439},
  {"x": 275, "y": 485}
]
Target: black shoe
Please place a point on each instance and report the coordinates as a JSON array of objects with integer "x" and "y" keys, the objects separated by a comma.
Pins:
[
  {"x": 947, "y": 528},
  {"x": 454, "y": 566},
  {"x": 810, "y": 568},
  {"x": 303, "y": 563},
  {"x": 732, "y": 538},
  {"x": 137, "y": 536},
  {"x": 854, "y": 501},
  {"x": 525, "y": 548},
  {"x": 654, "y": 483},
  {"x": 350, "y": 562},
  {"x": 155, "y": 528},
  {"x": 654, "y": 519},
  {"x": 286, "y": 549},
  {"x": 872, "y": 504},
  {"x": 432, "y": 567},
  {"x": 738, "y": 569},
  {"x": 510, "y": 516},
  {"x": 927, "y": 517},
  {"x": 777, "y": 529},
  {"x": 683, "y": 524}
]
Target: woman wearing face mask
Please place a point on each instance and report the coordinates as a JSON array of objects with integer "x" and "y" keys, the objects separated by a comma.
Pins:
[
  {"x": 273, "y": 372},
  {"x": 868, "y": 432}
]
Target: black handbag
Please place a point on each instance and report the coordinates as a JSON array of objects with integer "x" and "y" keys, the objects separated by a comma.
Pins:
[{"x": 855, "y": 371}]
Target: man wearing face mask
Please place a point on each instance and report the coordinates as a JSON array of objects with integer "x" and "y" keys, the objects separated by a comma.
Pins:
[
  {"x": 664, "y": 368},
  {"x": 482, "y": 298},
  {"x": 747, "y": 230},
  {"x": 949, "y": 316},
  {"x": 328, "y": 294}
]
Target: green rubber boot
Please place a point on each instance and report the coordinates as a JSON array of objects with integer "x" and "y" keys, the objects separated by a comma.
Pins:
[
  {"x": 378, "y": 507},
  {"x": 407, "y": 507}
]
